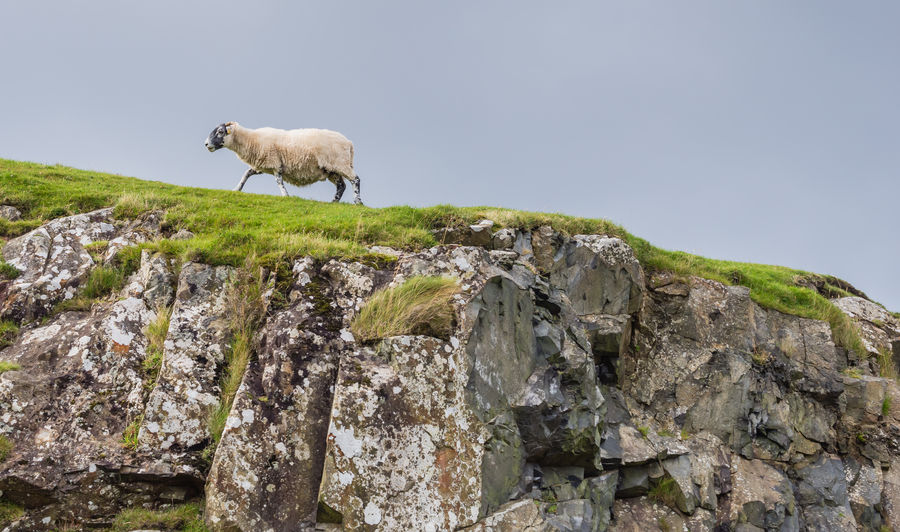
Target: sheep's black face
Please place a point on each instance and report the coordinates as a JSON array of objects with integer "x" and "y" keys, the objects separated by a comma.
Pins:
[{"x": 216, "y": 139}]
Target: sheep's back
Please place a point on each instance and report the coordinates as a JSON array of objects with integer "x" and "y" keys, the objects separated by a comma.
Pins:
[{"x": 326, "y": 149}]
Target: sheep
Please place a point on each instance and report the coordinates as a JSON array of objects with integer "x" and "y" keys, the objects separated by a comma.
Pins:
[{"x": 298, "y": 156}]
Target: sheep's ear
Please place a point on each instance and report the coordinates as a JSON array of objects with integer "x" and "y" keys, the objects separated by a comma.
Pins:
[{"x": 229, "y": 128}]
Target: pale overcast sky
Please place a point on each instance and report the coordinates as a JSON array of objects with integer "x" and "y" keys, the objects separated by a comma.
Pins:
[{"x": 763, "y": 131}]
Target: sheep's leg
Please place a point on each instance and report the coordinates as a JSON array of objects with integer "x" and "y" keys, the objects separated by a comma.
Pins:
[
  {"x": 280, "y": 182},
  {"x": 247, "y": 174},
  {"x": 341, "y": 186},
  {"x": 355, "y": 182}
]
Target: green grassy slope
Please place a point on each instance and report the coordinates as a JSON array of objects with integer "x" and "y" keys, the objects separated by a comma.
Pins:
[{"x": 230, "y": 226}]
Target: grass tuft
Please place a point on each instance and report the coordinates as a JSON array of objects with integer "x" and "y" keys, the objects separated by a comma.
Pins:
[
  {"x": 665, "y": 491},
  {"x": 852, "y": 372},
  {"x": 156, "y": 338},
  {"x": 104, "y": 280},
  {"x": 130, "y": 435},
  {"x": 185, "y": 517},
  {"x": 6, "y": 447},
  {"x": 421, "y": 305},
  {"x": 8, "y": 366},
  {"x": 9, "y": 512},
  {"x": 886, "y": 366},
  {"x": 8, "y": 271},
  {"x": 247, "y": 309},
  {"x": 8, "y": 332},
  {"x": 886, "y": 405}
]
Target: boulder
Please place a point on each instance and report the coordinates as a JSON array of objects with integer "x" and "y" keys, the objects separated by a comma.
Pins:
[
  {"x": 187, "y": 389},
  {"x": 762, "y": 496},
  {"x": 272, "y": 482},
  {"x": 10, "y": 213},
  {"x": 53, "y": 262},
  {"x": 80, "y": 387},
  {"x": 404, "y": 405},
  {"x": 599, "y": 274}
]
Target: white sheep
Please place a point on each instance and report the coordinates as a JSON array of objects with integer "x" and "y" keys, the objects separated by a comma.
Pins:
[{"x": 298, "y": 156}]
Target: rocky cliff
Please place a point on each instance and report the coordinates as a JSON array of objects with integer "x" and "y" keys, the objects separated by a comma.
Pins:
[{"x": 576, "y": 391}]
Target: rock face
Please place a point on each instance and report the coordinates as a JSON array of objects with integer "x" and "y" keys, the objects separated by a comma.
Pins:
[{"x": 576, "y": 392}]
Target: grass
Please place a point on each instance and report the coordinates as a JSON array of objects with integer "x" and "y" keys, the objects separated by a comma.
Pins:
[
  {"x": 8, "y": 366},
  {"x": 185, "y": 517},
  {"x": 8, "y": 332},
  {"x": 104, "y": 280},
  {"x": 156, "y": 338},
  {"x": 886, "y": 405},
  {"x": 130, "y": 435},
  {"x": 760, "y": 357},
  {"x": 665, "y": 433},
  {"x": 886, "y": 366},
  {"x": 644, "y": 431},
  {"x": 7, "y": 270},
  {"x": 9, "y": 512},
  {"x": 6, "y": 447},
  {"x": 421, "y": 305},
  {"x": 665, "y": 491},
  {"x": 230, "y": 226},
  {"x": 852, "y": 372},
  {"x": 247, "y": 309}
]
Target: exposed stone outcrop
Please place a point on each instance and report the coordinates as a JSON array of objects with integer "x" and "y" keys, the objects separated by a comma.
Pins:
[{"x": 575, "y": 392}]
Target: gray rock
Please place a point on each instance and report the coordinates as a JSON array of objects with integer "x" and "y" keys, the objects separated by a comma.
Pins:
[
  {"x": 10, "y": 213},
  {"x": 503, "y": 239},
  {"x": 890, "y": 493},
  {"x": 521, "y": 515},
  {"x": 187, "y": 388},
  {"x": 502, "y": 346},
  {"x": 156, "y": 275},
  {"x": 53, "y": 262},
  {"x": 182, "y": 234},
  {"x": 599, "y": 274},
  {"x": 866, "y": 483},
  {"x": 80, "y": 386},
  {"x": 478, "y": 234},
  {"x": 272, "y": 482},
  {"x": 545, "y": 242},
  {"x": 405, "y": 407},
  {"x": 643, "y": 515},
  {"x": 762, "y": 496},
  {"x": 601, "y": 491},
  {"x": 633, "y": 481}
]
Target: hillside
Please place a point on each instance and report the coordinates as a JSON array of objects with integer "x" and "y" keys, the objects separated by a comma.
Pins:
[
  {"x": 229, "y": 227},
  {"x": 186, "y": 359}
]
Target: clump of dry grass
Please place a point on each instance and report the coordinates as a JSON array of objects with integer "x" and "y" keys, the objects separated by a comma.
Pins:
[
  {"x": 421, "y": 305},
  {"x": 888, "y": 369}
]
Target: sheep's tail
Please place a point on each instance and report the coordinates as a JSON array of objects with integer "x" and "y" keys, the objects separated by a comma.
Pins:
[{"x": 351, "y": 159}]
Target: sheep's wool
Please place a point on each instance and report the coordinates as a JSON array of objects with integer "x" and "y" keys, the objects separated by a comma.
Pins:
[{"x": 302, "y": 156}]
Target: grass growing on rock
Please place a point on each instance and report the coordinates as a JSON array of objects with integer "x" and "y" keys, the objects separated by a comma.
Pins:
[
  {"x": 421, "y": 305},
  {"x": 8, "y": 366},
  {"x": 104, "y": 280},
  {"x": 886, "y": 366},
  {"x": 7, "y": 271},
  {"x": 230, "y": 226},
  {"x": 9, "y": 512},
  {"x": 6, "y": 447},
  {"x": 665, "y": 491},
  {"x": 8, "y": 332},
  {"x": 156, "y": 338},
  {"x": 185, "y": 517},
  {"x": 246, "y": 308}
]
